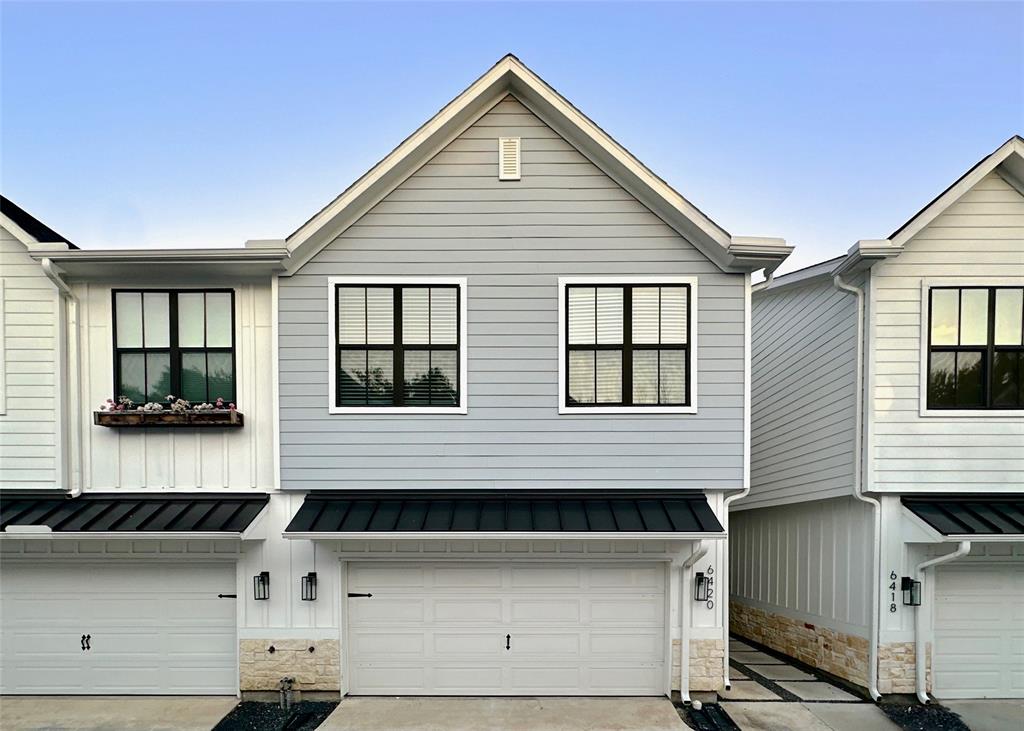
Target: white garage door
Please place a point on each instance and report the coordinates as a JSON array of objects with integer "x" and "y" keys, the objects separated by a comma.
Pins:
[
  {"x": 513, "y": 629},
  {"x": 979, "y": 631},
  {"x": 153, "y": 628}
]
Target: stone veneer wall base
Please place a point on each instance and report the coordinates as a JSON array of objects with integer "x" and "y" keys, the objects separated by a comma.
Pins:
[
  {"x": 707, "y": 669},
  {"x": 261, "y": 670}
]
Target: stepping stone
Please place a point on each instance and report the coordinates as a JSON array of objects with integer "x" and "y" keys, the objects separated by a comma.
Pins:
[
  {"x": 781, "y": 672},
  {"x": 817, "y": 691},
  {"x": 851, "y": 716},
  {"x": 737, "y": 646},
  {"x": 747, "y": 690},
  {"x": 755, "y": 658},
  {"x": 736, "y": 674},
  {"x": 755, "y": 716}
]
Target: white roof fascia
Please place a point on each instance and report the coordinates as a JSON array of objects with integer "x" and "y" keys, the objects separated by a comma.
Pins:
[{"x": 502, "y": 535}]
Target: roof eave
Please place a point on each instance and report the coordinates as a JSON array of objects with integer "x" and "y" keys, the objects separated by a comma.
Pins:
[
  {"x": 93, "y": 263},
  {"x": 865, "y": 254}
]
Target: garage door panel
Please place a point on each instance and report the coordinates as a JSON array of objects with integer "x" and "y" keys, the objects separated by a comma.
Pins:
[
  {"x": 165, "y": 633},
  {"x": 395, "y": 578},
  {"x": 384, "y": 609},
  {"x": 566, "y": 636}
]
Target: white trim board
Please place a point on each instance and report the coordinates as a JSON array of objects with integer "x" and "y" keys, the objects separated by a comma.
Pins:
[
  {"x": 499, "y": 535},
  {"x": 692, "y": 307},
  {"x": 407, "y": 411}
]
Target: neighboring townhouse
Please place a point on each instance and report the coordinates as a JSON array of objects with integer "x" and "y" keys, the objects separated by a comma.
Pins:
[
  {"x": 883, "y": 537},
  {"x": 496, "y": 399},
  {"x": 125, "y": 534}
]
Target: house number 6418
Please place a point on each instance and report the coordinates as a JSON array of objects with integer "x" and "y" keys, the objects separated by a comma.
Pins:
[{"x": 892, "y": 592}]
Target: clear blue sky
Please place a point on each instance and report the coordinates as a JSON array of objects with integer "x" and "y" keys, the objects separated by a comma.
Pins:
[{"x": 205, "y": 124}]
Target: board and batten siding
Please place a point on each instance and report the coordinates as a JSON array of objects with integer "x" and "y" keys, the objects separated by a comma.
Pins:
[
  {"x": 803, "y": 394},
  {"x": 29, "y": 452},
  {"x": 977, "y": 240},
  {"x": 809, "y": 561},
  {"x": 512, "y": 240},
  {"x": 189, "y": 459}
]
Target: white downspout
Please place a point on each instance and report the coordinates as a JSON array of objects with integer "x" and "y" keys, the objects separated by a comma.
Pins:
[
  {"x": 858, "y": 486},
  {"x": 920, "y": 671},
  {"x": 684, "y": 620},
  {"x": 726, "y": 589},
  {"x": 73, "y": 459}
]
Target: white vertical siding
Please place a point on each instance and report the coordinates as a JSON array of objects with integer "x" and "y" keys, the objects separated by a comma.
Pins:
[
  {"x": 810, "y": 561},
  {"x": 29, "y": 454},
  {"x": 803, "y": 381},
  {"x": 512, "y": 240},
  {"x": 190, "y": 459},
  {"x": 979, "y": 239}
]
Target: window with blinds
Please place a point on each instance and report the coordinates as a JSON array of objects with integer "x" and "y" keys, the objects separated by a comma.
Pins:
[
  {"x": 627, "y": 345},
  {"x": 397, "y": 345}
]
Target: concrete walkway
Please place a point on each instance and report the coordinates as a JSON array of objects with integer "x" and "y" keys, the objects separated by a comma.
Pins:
[
  {"x": 769, "y": 694},
  {"x": 989, "y": 714},
  {"x": 106, "y": 713},
  {"x": 504, "y": 714}
]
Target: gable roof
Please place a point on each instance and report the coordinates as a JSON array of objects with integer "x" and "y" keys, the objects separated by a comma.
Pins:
[
  {"x": 511, "y": 76},
  {"x": 21, "y": 221}
]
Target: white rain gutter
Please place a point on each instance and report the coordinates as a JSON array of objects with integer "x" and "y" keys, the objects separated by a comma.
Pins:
[
  {"x": 920, "y": 671},
  {"x": 69, "y": 395},
  {"x": 724, "y": 571},
  {"x": 858, "y": 486},
  {"x": 684, "y": 620}
]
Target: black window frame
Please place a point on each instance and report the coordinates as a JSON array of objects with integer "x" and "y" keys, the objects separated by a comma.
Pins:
[
  {"x": 987, "y": 351},
  {"x": 398, "y": 348},
  {"x": 173, "y": 349},
  {"x": 627, "y": 347}
]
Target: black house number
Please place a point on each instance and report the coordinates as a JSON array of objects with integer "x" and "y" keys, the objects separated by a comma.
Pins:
[
  {"x": 710, "y": 573},
  {"x": 892, "y": 592}
]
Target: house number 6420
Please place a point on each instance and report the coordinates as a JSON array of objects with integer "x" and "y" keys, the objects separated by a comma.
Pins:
[{"x": 710, "y": 573}]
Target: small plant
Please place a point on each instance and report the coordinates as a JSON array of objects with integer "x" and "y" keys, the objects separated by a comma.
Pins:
[{"x": 174, "y": 404}]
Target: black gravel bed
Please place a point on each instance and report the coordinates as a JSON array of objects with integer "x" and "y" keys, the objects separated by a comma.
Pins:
[
  {"x": 916, "y": 717},
  {"x": 260, "y": 716},
  {"x": 710, "y": 717}
]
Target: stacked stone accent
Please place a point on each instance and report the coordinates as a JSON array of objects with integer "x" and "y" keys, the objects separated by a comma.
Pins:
[
  {"x": 896, "y": 667},
  {"x": 707, "y": 669},
  {"x": 842, "y": 655},
  {"x": 259, "y": 669}
]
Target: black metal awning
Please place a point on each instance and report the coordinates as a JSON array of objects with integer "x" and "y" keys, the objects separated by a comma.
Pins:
[
  {"x": 388, "y": 512},
  {"x": 132, "y": 513},
  {"x": 970, "y": 515}
]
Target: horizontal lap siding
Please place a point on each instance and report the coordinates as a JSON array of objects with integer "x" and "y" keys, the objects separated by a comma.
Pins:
[
  {"x": 512, "y": 240},
  {"x": 803, "y": 384},
  {"x": 28, "y": 429},
  {"x": 981, "y": 237}
]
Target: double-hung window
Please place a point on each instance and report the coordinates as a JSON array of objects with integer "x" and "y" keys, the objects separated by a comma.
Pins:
[
  {"x": 975, "y": 348},
  {"x": 174, "y": 342},
  {"x": 627, "y": 345},
  {"x": 398, "y": 345}
]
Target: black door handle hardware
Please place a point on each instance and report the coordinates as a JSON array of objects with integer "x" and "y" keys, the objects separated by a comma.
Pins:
[
  {"x": 508, "y": 642},
  {"x": 351, "y": 594},
  {"x": 88, "y": 640},
  {"x": 83, "y": 643},
  {"x": 227, "y": 596}
]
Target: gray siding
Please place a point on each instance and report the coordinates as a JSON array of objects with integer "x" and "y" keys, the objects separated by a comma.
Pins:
[
  {"x": 512, "y": 240},
  {"x": 803, "y": 367}
]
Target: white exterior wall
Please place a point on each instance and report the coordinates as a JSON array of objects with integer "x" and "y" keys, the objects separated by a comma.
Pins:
[
  {"x": 978, "y": 240},
  {"x": 810, "y": 562},
  {"x": 190, "y": 459},
  {"x": 30, "y": 426}
]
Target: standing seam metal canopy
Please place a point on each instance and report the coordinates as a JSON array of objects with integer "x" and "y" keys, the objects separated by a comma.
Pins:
[
  {"x": 555, "y": 512},
  {"x": 979, "y": 515},
  {"x": 133, "y": 512}
]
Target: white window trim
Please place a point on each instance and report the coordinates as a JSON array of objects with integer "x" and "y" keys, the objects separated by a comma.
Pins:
[
  {"x": 926, "y": 316},
  {"x": 691, "y": 365},
  {"x": 332, "y": 335}
]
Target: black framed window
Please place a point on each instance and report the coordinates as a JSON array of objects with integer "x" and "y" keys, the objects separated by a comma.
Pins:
[
  {"x": 174, "y": 342},
  {"x": 976, "y": 348},
  {"x": 627, "y": 345},
  {"x": 397, "y": 334}
]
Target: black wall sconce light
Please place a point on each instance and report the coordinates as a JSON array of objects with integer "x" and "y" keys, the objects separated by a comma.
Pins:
[
  {"x": 261, "y": 586},
  {"x": 701, "y": 585},
  {"x": 309, "y": 587},
  {"x": 911, "y": 592}
]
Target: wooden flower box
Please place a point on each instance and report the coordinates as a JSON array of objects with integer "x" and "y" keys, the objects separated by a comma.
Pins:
[{"x": 168, "y": 419}]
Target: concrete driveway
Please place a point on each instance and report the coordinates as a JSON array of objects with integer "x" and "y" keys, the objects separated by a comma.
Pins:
[
  {"x": 504, "y": 714},
  {"x": 113, "y": 713},
  {"x": 989, "y": 715}
]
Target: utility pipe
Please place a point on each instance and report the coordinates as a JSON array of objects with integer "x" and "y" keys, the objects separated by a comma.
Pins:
[
  {"x": 684, "y": 619},
  {"x": 71, "y": 397},
  {"x": 920, "y": 672},
  {"x": 858, "y": 485}
]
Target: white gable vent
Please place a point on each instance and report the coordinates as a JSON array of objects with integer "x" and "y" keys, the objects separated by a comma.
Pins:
[{"x": 508, "y": 158}]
